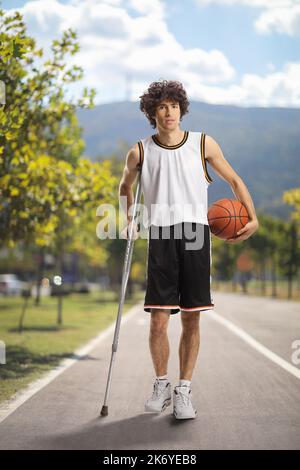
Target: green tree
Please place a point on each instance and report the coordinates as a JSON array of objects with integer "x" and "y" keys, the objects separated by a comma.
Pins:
[
  {"x": 290, "y": 254},
  {"x": 292, "y": 197},
  {"x": 47, "y": 188},
  {"x": 37, "y": 122}
]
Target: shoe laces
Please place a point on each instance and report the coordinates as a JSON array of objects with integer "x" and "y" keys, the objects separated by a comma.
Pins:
[
  {"x": 159, "y": 387},
  {"x": 182, "y": 399}
]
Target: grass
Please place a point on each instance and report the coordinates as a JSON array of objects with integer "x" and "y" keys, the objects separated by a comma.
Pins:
[
  {"x": 43, "y": 343},
  {"x": 254, "y": 288}
]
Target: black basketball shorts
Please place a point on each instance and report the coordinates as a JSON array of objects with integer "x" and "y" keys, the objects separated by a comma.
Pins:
[{"x": 178, "y": 268}]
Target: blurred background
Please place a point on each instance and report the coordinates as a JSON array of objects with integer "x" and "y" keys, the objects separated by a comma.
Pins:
[{"x": 71, "y": 76}]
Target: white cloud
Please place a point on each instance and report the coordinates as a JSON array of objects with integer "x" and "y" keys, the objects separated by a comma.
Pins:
[
  {"x": 275, "y": 89},
  {"x": 115, "y": 44},
  {"x": 119, "y": 49},
  {"x": 282, "y": 20},
  {"x": 256, "y": 3},
  {"x": 148, "y": 7},
  {"x": 280, "y": 16}
]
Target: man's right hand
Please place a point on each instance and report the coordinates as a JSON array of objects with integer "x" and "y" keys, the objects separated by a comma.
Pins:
[{"x": 127, "y": 230}]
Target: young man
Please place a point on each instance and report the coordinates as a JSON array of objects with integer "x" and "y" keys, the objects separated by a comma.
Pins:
[{"x": 174, "y": 174}]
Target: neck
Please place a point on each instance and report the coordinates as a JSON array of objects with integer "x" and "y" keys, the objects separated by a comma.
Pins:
[{"x": 172, "y": 137}]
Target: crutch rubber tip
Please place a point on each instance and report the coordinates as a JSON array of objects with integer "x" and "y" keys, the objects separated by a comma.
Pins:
[{"x": 104, "y": 411}]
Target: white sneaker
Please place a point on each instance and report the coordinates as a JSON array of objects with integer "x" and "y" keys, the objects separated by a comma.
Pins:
[
  {"x": 161, "y": 396},
  {"x": 182, "y": 404}
]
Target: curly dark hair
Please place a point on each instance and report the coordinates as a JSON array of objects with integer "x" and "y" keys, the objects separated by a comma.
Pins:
[{"x": 158, "y": 91}]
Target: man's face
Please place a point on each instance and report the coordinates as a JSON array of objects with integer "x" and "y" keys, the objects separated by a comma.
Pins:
[{"x": 167, "y": 115}]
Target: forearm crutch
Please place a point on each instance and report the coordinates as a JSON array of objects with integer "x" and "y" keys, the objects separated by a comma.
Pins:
[{"x": 125, "y": 276}]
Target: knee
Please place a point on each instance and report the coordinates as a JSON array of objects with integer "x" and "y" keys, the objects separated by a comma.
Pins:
[
  {"x": 158, "y": 328},
  {"x": 158, "y": 325},
  {"x": 190, "y": 321}
]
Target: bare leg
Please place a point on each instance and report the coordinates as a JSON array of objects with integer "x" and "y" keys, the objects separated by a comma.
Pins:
[
  {"x": 158, "y": 340},
  {"x": 189, "y": 343}
]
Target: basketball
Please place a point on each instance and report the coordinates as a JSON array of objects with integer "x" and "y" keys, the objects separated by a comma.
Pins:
[{"x": 226, "y": 217}]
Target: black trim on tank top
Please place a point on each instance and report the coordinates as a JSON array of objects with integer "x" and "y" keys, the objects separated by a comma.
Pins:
[
  {"x": 141, "y": 154},
  {"x": 171, "y": 147},
  {"x": 204, "y": 161}
]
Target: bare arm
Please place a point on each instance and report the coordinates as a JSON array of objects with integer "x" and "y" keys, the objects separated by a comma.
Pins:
[
  {"x": 130, "y": 172},
  {"x": 216, "y": 159}
]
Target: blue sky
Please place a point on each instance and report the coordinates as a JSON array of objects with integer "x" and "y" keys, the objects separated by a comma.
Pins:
[
  {"x": 231, "y": 29},
  {"x": 224, "y": 51}
]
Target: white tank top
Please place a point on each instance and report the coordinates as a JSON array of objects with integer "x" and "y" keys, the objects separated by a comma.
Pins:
[{"x": 174, "y": 180}]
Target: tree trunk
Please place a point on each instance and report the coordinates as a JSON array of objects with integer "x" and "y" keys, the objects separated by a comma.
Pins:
[
  {"x": 274, "y": 277},
  {"x": 234, "y": 283},
  {"x": 59, "y": 309},
  {"x": 290, "y": 285},
  {"x": 21, "y": 321},
  {"x": 40, "y": 275},
  {"x": 61, "y": 288},
  {"x": 263, "y": 278},
  {"x": 129, "y": 290},
  {"x": 244, "y": 282}
]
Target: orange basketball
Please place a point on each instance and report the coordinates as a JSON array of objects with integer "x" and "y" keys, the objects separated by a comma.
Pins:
[{"x": 226, "y": 217}]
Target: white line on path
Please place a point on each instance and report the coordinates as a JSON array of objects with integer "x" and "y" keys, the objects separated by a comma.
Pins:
[
  {"x": 255, "y": 344},
  {"x": 9, "y": 406}
]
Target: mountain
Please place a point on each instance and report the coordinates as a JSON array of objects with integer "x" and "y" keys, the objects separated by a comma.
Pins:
[{"x": 261, "y": 144}]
